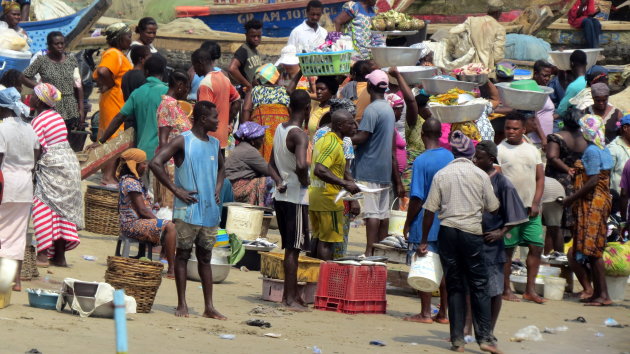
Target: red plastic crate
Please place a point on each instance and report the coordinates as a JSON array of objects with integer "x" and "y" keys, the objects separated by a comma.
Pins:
[
  {"x": 352, "y": 283},
  {"x": 351, "y": 307}
]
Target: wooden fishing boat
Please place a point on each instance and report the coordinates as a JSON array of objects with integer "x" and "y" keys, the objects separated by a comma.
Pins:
[
  {"x": 279, "y": 16},
  {"x": 72, "y": 26}
]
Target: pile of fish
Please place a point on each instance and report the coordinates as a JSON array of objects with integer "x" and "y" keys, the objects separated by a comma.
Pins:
[
  {"x": 395, "y": 241},
  {"x": 260, "y": 242}
]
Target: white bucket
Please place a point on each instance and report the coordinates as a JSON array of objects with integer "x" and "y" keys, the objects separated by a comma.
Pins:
[
  {"x": 397, "y": 220},
  {"x": 616, "y": 287},
  {"x": 548, "y": 271},
  {"x": 245, "y": 222},
  {"x": 425, "y": 273},
  {"x": 554, "y": 288},
  {"x": 8, "y": 267}
]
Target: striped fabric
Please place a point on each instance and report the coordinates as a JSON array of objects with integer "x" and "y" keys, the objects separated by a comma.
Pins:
[
  {"x": 50, "y": 128},
  {"x": 50, "y": 227}
]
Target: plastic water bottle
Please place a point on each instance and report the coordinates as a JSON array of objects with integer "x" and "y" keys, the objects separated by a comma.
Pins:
[
  {"x": 316, "y": 350},
  {"x": 434, "y": 310}
]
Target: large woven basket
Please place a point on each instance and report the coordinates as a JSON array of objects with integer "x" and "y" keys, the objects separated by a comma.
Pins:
[
  {"x": 140, "y": 279},
  {"x": 101, "y": 210}
]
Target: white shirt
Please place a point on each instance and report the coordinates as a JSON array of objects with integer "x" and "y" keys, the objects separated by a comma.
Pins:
[
  {"x": 304, "y": 37},
  {"x": 17, "y": 142},
  {"x": 519, "y": 164},
  {"x": 134, "y": 43}
]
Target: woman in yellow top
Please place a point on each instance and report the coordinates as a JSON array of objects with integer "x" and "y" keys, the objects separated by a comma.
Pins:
[
  {"x": 326, "y": 87},
  {"x": 108, "y": 75}
]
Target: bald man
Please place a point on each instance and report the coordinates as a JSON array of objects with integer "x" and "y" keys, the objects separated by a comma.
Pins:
[
  {"x": 328, "y": 177},
  {"x": 424, "y": 168}
]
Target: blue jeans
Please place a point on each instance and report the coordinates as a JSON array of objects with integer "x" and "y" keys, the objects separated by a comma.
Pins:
[{"x": 592, "y": 28}]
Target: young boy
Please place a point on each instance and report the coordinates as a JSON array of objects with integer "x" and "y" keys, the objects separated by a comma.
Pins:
[
  {"x": 246, "y": 59},
  {"x": 199, "y": 175}
]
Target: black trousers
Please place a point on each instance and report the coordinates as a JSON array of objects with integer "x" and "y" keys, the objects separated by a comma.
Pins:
[{"x": 465, "y": 271}]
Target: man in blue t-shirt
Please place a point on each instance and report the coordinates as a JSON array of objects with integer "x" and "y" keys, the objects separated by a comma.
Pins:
[
  {"x": 578, "y": 62},
  {"x": 433, "y": 159}
]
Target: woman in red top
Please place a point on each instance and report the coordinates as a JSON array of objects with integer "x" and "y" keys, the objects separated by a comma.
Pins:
[{"x": 581, "y": 16}]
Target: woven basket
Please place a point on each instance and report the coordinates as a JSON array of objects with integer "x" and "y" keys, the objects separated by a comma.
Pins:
[
  {"x": 140, "y": 279},
  {"x": 101, "y": 210},
  {"x": 29, "y": 265}
]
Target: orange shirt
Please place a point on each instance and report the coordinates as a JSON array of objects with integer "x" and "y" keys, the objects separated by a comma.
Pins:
[
  {"x": 363, "y": 99},
  {"x": 112, "y": 100},
  {"x": 216, "y": 88}
]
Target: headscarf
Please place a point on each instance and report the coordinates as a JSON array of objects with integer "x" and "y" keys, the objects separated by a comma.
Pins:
[
  {"x": 48, "y": 94},
  {"x": 592, "y": 129},
  {"x": 461, "y": 145},
  {"x": 10, "y": 98},
  {"x": 8, "y": 6},
  {"x": 600, "y": 89},
  {"x": 394, "y": 100},
  {"x": 489, "y": 147},
  {"x": 131, "y": 157},
  {"x": 268, "y": 73},
  {"x": 115, "y": 31},
  {"x": 424, "y": 49},
  {"x": 250, "y": 130},
  {"x": 495, "y": 5},
  {"x": 505, "y": 70},
  {"x": 342, "y": 103}
]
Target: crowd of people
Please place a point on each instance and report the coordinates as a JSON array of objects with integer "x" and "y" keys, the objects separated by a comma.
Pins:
[{"x": 270, "y": 137}]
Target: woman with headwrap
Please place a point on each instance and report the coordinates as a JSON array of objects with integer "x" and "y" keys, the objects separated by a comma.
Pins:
[
  {"x": 19, "y": 150},
  {"x": 591, "y": 204},
  {"x": 11, "y": 17},
  {"x": 248, "y": 171},
  {"x": 137, "y": 220},
  {"x": 355, "y": 19},
  {"x": 108, "y": 75},
  {"x": 58, "y": 202},
  {"x": 267, "y": 104},
  {"x": 62, "y": 71},
  {"x": 609, "y": 114}
]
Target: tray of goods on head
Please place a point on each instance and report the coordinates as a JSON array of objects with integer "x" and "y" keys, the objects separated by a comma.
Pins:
[
  {"x": 457, "y": 106},
  {"x": 396, "y": 23},
  {"x": 437, "y": 86},
  {"x": 395, "y": 56},
  {"x": 562, "y": 58},
  {"x": 475, "y": 72},
  {"x": 413, "y": 75},
  {"x": 525, "y": 95}
]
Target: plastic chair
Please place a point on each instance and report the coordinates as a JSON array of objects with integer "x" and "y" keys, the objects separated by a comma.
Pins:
[{"x": 126, "y": 242}]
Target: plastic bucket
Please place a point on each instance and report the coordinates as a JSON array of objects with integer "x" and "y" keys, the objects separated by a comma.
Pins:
[
  {"x": 547, "y": 271},
  {"x": 616, "y": 287},
  {"x": 245, "y": 222},
  {"x": 397, "y": 220},
  {"x": 425, "y": 273},
  {"x": 554, "y": 288}
]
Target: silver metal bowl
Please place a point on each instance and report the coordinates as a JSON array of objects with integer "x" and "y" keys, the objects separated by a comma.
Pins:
[
  {"x": 218, "y": 263},
  {"x": 561, "y": 58},
  {"x": 480, "y": 79},
  {"x": 395, "y": 56},
  {"x": 521, "y": 99},
  {"x": 457, "y": 114},
  {"x": 414, "y": 74},
  {"x": 439, "y": 86}
]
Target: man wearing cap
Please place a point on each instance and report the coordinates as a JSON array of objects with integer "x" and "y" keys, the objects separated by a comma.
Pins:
[
  {"x": 375, "y": 166},
  {"x": 461, "y": 193},
  {"x": 309, "y": 35}
]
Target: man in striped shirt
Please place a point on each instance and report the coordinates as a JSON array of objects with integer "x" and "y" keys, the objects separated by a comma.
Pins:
[{"x": 328, "y": 177}]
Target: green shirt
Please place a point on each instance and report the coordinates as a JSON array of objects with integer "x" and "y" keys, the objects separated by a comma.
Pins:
[{"x": 143, "y": 104}]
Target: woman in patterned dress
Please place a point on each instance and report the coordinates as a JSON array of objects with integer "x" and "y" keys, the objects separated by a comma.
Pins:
[
  {"x": 58, "y": 202},
  {"x": 62, "y": 71},
  {"x": 137, "y": 221},
  {"x": 267, "y": 104},
  {"x": 172, "y": 121},
  {"x": 355, "y": 17}
]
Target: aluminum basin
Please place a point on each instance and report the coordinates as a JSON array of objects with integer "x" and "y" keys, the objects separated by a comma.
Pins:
[
  {"x": 521, "y": 99},
  {"x": 561, "y": 58},
  {"x": 440, "y": 86},
  {"x": 414, "y": 74},
  {"x": 395, "y": 56},
  {"x": 457, "y": 114}
]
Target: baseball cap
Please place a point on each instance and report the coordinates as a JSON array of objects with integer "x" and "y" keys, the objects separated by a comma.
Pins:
[
  {"x": 378, "y": 78},
  {"x": 625, "y": 119}
]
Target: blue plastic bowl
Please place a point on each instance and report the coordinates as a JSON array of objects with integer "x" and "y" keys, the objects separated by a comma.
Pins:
[{"x": 42, "y": 301}]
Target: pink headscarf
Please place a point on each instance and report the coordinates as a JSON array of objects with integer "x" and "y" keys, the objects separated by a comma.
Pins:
[{"x": 48, "y": 94}]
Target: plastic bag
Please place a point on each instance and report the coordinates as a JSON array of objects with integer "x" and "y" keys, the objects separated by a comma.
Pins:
[
  {"x": 531, "y": 333},
  {"x": 617, "y": 259},
  {"x": 11, "y": 40},
  {"x": 165, "y": 213},
  {"x": 524, "y": 47}
]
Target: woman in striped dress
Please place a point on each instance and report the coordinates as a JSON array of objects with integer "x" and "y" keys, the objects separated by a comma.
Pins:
[{"x": 57, "y": 204}]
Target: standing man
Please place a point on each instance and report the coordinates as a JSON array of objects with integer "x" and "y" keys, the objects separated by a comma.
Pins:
[
  {"x": 216, "y": 88},
  {"x": 199, "y": 175},
  {"x": 375, "y": 165},
  {"x": 578, "y": 64},
  {"x": 328, "y": 177},
  {"x": 461, "y": 193},
  {"x": 246, "y": 59},
  {"x": 544, "y": 118},
  {"x": 309, "y": 35},
  {"x": 522, "y": 165},
  {"x": 433, "y": 159},
  {"x": 288, "y": 159}
]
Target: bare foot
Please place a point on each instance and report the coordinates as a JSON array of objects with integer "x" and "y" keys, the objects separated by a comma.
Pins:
[
  {"x": 490, "y": 348},
  {"x": 58, "y": 262},
  {"x": 42, "y": 261},
  {"x": 534, "y": 298},
  {"x": 170, "y": 274},
  {"x": 419, "y": 318},
  {"x": 182, "y": 311},
  {"x": 17, "y": 287},
  {"x": 599, "y": 302},
  {"x": 457, "y": 348},
  {"x": 583, "y": 295},
  {"x": 510, "y": 297},
  {"x": 441, "y": 319},
  {"x": 294, "y": 306},
  {"x": 213, "y": 314}
]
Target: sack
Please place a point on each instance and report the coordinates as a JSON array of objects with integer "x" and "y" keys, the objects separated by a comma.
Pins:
[
  {"x": 617, "y": 259},
  {"x": 91, "y": 299},
  {"x": 11, "y": 40}
]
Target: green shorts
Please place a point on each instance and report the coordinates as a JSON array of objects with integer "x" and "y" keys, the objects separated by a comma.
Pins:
[
  {"x": 529, "y": 233},
  {"x": 189, "y": 235}
]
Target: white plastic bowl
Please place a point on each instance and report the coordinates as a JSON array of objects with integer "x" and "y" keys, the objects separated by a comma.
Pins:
[
  {"x": 395, "y": 56},
  {"x": 521, "y": 99},
  {"x": 457, "y": 114},
  {"x": 414, "y": 74},
  {"x": 561, "y": 58},
  {"x": 440, "y": 86}
]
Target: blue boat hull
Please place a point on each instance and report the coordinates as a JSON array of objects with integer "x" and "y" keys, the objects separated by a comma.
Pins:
[{"x": 277, "y": 23}]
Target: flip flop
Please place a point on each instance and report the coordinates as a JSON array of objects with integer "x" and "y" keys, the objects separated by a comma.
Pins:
[
  {"x": 440, "y": 320},
  {"x": 417, "y": 319}
]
